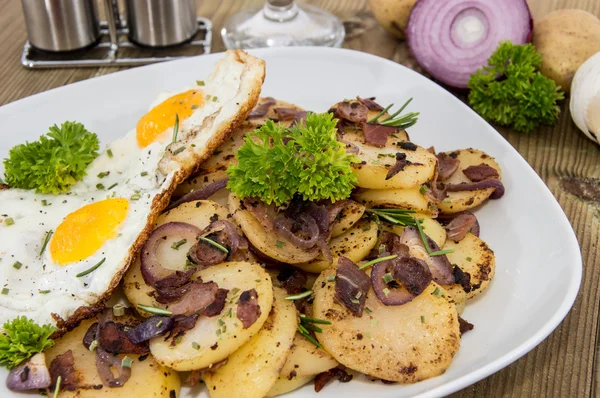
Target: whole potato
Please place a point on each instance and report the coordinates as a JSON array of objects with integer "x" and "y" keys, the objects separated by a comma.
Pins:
[
  {"x": 392, "y": 14},
  {"x": 566, "y": 39}
]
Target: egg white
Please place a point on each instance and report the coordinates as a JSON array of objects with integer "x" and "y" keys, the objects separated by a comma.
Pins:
[{"x": 41, "y": 287}]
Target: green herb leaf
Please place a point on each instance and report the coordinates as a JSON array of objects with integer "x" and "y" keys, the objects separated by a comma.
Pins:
[
  {"x": 300, "y": 296},
  {"x": 21, "y": 339},
  {"x": 92, "y": 269},
  {"x": 276, "y": 163},
  {"x": 54, "y": 162},
  {"x": 522, "y": 97}
]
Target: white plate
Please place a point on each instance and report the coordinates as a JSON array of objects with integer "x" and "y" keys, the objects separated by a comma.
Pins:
[{"x": 538, "y": 258}]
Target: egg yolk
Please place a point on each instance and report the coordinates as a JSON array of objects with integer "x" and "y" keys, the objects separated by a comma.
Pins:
[
  {"x": 85, "y": 230},
  {"x": 161, "y": 117}
]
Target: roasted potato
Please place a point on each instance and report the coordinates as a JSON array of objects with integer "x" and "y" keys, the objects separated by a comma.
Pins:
[
  {"x": 474, "y": 256},
  {"x": 456, "y": 202},
  {"x": 268, "y": 242},
  {"x": 456, "y": 295},
  {"x": 218, "y": 336},
  {"x": 306, "y": 359},
  {"x": 148, "y": 378},
  {"x": 356, "y": 243},
  {"x": 410, "y": 199},
  {"x": 197, "y": 213},
  {"x": 405, "y": 343},
  {"x": 347, "y": 218},
  {"x": 284, "y": 385},
  {"x": 252, "y": 370}
]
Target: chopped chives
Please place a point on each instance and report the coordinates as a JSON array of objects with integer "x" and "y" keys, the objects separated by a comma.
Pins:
[
  {"x": 17, "y": 265},
  {"x": 118, "y": 310},
  {"x": 195, "y": 345},
  {"x": 373, "y": 323},
  {"x": 221, "y": 322},
  {"x": 9, "y": 221},
  {"x": 176, "y": 128},
  {"x": 44, "y": 202},
  {"x": 387, "y": 278},
  {"x": 441, "y": 252},
  {"x": 112, "y": 186},
  {"x": 469, "y": 259},
  {"x": 330, "y": 278},
  {"x": 136, "y": 196},
  {"x": 178, "y": 150},
  {"x": 100, "y": 186},
  {"x": 312, "y": 327},
  {"x": 109, "y": 153},
  {"x": 304, "y": 319},
  {"x": 178, "y": 244},
  {"x": 200, "y": 82},
  {"x": 144, "y": 173},
  {"x": 93, "y": 345},
  {"x": 103, "y": 174},
  {"x": 43, "y": 291},
  {"x": 126, "y": 362},
  {"x": 437, "y": 292},
  {"x": 377, "y": 260},
  {"x": 215, "y": 98},
  {"x": 46, "y": 240},
  {"x": 90, "y": 270},
  {"x": 57, "y": 388},
  {"x": 300, "y": 296},
  {"x": 154, "y": 310},
  {"x": 5, "y": 291},
  {"x": 386, "y": 291},
  {"x": 422, "y": 319},
  {"x": 178, "y": 339},
  {"x": 215, "y": 244},
  {"x": 279, "y": 244},
  {"x": 368, "y": 310},
  {"x": 159, "y": 323}
]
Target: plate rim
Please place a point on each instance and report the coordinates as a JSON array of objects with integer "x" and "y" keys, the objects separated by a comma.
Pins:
[{"x": 572, "y": 290}]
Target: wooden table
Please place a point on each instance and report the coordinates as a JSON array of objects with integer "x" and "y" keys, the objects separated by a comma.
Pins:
[{"x": 567, "y": 363}]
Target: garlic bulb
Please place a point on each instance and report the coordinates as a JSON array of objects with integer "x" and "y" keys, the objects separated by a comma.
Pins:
[{"x": 585, "y": 98}]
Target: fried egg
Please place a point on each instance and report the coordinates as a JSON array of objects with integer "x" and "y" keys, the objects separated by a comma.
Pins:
[{"x": 61, "y": 254}]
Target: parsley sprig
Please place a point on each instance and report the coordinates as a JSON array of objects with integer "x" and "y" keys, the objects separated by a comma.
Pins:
[
  {"x": 54, "y": 162},
  {"x": 276, "y": 163},
  {"x": 21, "y": 339},
  {"x": 511, "y": 92}
]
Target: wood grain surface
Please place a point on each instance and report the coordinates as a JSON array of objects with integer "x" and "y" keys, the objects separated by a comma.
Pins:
[{"x": 566, "y": 364}]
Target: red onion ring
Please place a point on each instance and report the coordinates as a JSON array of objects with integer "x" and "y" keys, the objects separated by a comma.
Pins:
[
  {"x": 152, "y": 270},
  {"x": 283, "y": 226},
  {"x": 455, "y": 223},
  {"x": 451, "y": 39},
  {"x": 230, "y": 230},
  {"x": 440, "y": 267},
  {"x": 200, "y": 194},
  {"x": 29, "y": 375},
  {"x": 414, "y": 274},
  {"x": 476, "y": 186},
  {"x": 151, "y": 327},
  {"x": 106, "y": 360}
]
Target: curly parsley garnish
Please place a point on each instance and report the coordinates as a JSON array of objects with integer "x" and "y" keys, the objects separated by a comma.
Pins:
[
  {"x": 21, "y": 339},
  {"x": 275, "y": 163},
  {"x": 511, "y": 92},
  {"x": 54, "y": 162}
]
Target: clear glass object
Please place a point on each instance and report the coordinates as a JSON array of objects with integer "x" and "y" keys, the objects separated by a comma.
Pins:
[{"x": 280, "y": 23}]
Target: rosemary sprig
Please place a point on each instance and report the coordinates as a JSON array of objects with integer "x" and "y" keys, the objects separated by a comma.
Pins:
[
  {"x": 306, "y": 324},
  {"x": 215, "y": 244},
  {"x": 396, "y": 119}
]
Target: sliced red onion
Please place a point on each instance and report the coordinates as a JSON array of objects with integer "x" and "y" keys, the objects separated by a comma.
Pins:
[
  {"x": 454, "y": 38},
  {"x": 370, "y": 103},
  {"x": 476, "y": 186},
  {"x": 152, "y": 327},
  {"x": 440, "y": 267},
  {"x": 200, "y": 194},
  {"x": 351, "y": 286},
  {"x": 354, "y": 112},
  {"x": 325, "y": 249},
  {"x": 412, "y": 273},
  {"x": 29, "y": 375},
  {"x": 480, "y": 172},
  {"x": 447, "y": 166},
  {"x": 104, "y": 362},
  {"x": 262, "y": 212},
  {"x": 152, "y": 270},
  {"x": 262, "y": 109},
  {"x": 465, "y": 222},
  {"x": 284, "y": 225},
  {"x": 392, "y": 245}
]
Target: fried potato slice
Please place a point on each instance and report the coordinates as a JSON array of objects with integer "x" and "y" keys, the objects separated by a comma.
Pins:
[
  {"x": 199, "y": 214},
  {"x": 356, "y": 243},
  {"x": 474, "y": 256},
  {"x": 221, "y": 335},
  {"x": 410, "y": 199},
  {"x": 347, "y": 218},
  {"x": 406, "y": 343},
  {"x": 268, "y": 242},
  {"x": 252, "y": 370},
  {"x": 283, "y": 385},
  {"x": 456, "y": 202},
  {"x": 148, "y": 378}
]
